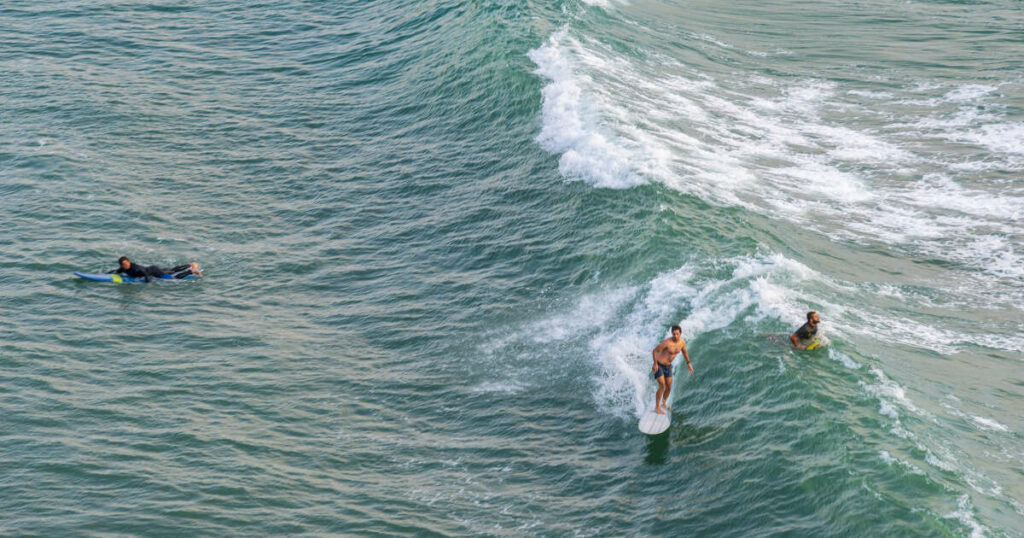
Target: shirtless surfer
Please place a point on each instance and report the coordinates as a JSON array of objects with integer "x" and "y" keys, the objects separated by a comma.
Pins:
[{"x": 663, "y": 356}]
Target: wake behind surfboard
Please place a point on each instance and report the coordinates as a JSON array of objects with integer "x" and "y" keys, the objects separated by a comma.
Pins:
[{"x": 121, "y": 279}]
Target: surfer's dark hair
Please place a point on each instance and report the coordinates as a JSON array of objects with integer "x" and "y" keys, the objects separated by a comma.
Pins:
[
  {"x": 122, "y": 258},
  {"x": 676, "y": 328},
  {"x": 809, "y": 314}
]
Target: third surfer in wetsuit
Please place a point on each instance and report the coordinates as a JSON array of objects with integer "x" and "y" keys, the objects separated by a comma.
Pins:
[
  {"x": 663, "y": 356},
  {"x": 135, "y": 270},
  {"x": 804, "y": 336}
]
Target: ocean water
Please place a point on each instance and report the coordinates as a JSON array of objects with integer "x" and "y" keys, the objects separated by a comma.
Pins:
[{"x": 440, "y": 240}]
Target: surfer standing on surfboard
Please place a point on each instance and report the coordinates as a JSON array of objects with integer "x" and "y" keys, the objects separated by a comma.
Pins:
[
  {"x": 807, "y": 332},
  {"x": 663, "y": 356}
]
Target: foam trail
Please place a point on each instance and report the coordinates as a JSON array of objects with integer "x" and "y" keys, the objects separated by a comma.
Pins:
[{"x": 622, "y": 326}]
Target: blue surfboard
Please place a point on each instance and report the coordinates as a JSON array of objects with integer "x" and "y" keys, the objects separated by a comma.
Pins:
[{"x": 122, "y": 279}]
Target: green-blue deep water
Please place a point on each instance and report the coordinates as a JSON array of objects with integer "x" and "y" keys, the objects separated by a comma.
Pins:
[{"x": 440, "y": 239}]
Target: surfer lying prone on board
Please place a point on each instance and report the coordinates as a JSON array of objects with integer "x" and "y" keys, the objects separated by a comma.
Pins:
[
  {"x": 663, "y": 355},
  {"x": 134, "y": 270},
  {"x": 804, "y": 336}
]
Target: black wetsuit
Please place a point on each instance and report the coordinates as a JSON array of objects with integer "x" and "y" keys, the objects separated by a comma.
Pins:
[
  {"x": 152, "y": 271},
  {"x": 807, "y": 332}
]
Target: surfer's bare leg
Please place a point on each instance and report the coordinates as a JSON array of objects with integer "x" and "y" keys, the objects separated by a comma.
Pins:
[
  {"x": 668, "y": 389},
  {"x": 657, "y": 397}
]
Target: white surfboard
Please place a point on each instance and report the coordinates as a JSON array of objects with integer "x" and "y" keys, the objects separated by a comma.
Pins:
[{"x": 652, "y": 423}]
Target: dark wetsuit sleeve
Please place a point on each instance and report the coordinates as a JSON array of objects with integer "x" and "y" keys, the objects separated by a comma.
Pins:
[{"x": 133, "y": 271}]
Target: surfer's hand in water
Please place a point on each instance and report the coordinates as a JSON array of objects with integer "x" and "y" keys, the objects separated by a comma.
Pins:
[{"x": 690, "y": 367}]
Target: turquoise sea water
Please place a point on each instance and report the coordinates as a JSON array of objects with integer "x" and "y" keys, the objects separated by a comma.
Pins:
[{"x": 441, "y": 238}]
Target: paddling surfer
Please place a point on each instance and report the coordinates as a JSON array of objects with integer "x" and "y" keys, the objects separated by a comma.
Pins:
[
  {"x": 134, "y": 270},
  {"x": 804, "y": 336},
  {"x": 663, "y": 356}
]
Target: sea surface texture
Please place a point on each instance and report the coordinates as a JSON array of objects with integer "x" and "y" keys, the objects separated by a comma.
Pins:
[{"x": 440, "y": 239}]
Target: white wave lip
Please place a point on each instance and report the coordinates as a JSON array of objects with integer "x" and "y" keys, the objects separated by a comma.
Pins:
[
  {"x": 570, "y": 126},
  {"x": 780, "y": 149}
]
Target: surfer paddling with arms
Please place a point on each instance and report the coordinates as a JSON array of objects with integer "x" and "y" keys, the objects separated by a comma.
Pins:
[
  {"x": 663, "y": 356},
  {"x": 803, "y": 338}
]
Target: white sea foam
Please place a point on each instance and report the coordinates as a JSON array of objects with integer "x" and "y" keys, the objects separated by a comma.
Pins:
[
  {"x": 621, "y": 326},
  {"x": 965, "y": 513},
  {"x": 892, "y": 460},
  {"x": 844, "y": 359},
  {"x": 618, "y": 121},
  {"x": 590, "y": 312},
  {"x": 507, "y": 387},
  {"x": 872, "y": 95},
  {"x": 891, "y": 396},
  {"x": 937, "y": 462},
  {"x": 885, "y": 408},
  {"x": 968, "y": 93},
  {"x": 998, "y": 137},
  {"x": 940, "y": 455},
  {"x": 571, "y": 126},
  {"x": 713, "y": 40},
  {"x": 989, "y": 424},
  {"x": 947, "y": 125},
  {"x": 940, "y": 191},
  {"x": 856, "y": 146},
  {"x": 983, "y": 423},
  {"x": 907, "y": 332}
]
